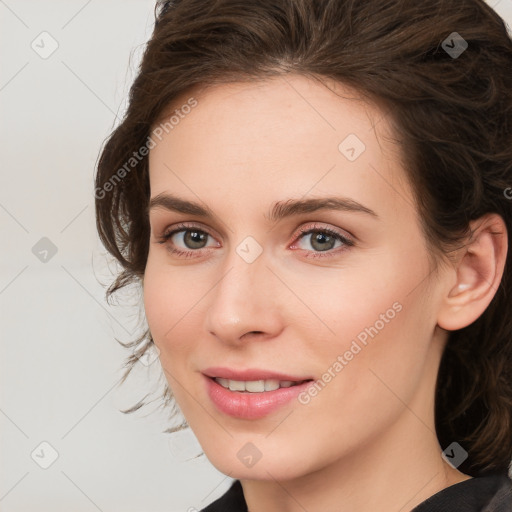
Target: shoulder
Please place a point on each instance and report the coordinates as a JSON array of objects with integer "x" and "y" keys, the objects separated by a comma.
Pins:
[
  {"x": 502, "y": 499},
  {"x": 489, "y": 493}
]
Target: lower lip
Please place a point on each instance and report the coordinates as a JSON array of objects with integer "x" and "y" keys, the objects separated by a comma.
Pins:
[{"x": 251, "y": 406}]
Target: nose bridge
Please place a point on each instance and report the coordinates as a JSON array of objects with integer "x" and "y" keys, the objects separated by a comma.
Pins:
[
  {"x": 245, "y": 266},
  {"x": 240, "y": 301},
  {"x": 238, "y": 290}
]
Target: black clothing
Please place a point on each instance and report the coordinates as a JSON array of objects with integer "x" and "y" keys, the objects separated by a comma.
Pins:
[{"x": 490, "y": 493}]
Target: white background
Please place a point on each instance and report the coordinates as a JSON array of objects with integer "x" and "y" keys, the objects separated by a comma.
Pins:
[{"x": 59, "y": 362}]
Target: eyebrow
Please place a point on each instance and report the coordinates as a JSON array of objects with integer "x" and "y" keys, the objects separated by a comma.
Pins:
[{"x": 279, "y": 210}]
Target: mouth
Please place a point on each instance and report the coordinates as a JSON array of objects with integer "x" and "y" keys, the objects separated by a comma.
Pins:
[{"x": 251, "y": 398}]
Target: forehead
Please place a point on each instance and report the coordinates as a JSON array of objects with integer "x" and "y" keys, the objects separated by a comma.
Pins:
[
  {"x": 283, "y": 136},
  {"x": 321, "y": 105}
]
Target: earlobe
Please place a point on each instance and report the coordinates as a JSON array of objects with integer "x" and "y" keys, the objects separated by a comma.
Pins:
[{"x": 478, "y": 274}]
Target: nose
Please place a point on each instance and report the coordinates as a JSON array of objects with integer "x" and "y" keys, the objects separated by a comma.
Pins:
[{"x": 245, "y": 302}]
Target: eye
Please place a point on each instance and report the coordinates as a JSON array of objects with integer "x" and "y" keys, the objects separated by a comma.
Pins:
[
  {"x": 191, "y": 236},
  {"x": 323, "y": 239}
]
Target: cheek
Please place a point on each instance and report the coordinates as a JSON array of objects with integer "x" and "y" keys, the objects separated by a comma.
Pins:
[
  {"x": 156, "y": 302},
  {"x": 362, "y": 301},
  {"x": 377, "y": 326},
  {"x": 168, "y": 304}
]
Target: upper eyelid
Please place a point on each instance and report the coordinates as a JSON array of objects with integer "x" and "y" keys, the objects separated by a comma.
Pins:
[{"x": 179, "y": 228}]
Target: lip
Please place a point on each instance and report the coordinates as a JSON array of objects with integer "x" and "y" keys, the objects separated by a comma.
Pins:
[
  {"x": 251, "y": 374},
  {"x": 251, "y": 406}
]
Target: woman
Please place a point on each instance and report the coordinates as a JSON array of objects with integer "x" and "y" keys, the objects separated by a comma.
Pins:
[{"x": 315, "y": 198}]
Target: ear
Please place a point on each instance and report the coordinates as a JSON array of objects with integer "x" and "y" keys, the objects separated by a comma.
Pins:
[{"x": 477, "y": 274}]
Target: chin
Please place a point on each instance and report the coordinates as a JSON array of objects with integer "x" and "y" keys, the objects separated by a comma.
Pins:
[{"x": 275, "y": 467}]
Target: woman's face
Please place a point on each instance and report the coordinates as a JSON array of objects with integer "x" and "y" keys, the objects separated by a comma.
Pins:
[{"x": 353, "y": 308}]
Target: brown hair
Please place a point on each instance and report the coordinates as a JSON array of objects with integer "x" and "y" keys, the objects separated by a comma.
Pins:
[{"x": 451, "y": 112}]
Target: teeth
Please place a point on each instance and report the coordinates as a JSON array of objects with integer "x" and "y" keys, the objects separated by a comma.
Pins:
[
  {"x": 235, "y": 385},
  {"x": 269, "y": 385},
  {"x": 254, "y": 386},
  {"x": 223, "y": 382}
]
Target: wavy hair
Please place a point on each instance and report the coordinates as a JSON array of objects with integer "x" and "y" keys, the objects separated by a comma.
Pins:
[{"x": 452, "y": 114}]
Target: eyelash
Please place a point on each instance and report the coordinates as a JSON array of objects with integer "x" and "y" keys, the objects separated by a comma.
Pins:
[{"x": 302, "y": 233}]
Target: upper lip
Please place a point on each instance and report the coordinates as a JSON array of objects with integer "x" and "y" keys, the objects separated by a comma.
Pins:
[{"x": 251, "y": 374}]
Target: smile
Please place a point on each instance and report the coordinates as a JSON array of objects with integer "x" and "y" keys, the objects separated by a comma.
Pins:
[{"x": 251, "y": 400}]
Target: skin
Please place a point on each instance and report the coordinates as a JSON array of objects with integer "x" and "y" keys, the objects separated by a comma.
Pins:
[{"x": 367, "y": 441}]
